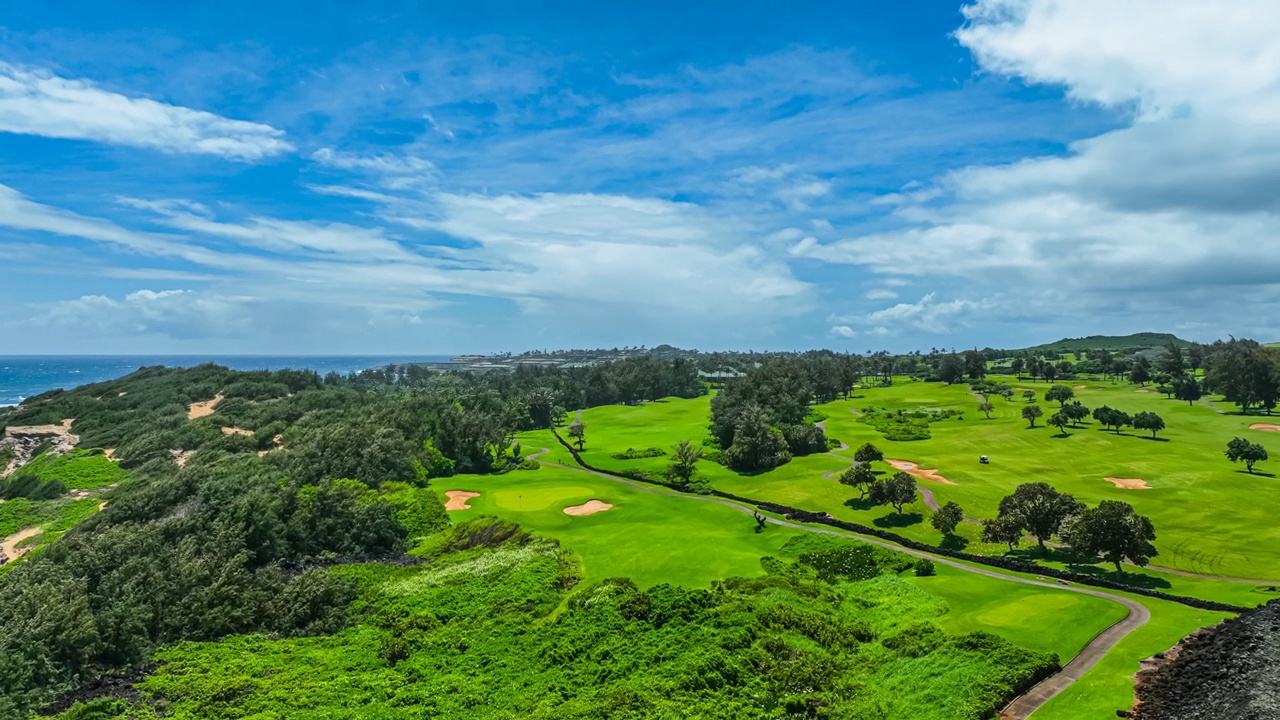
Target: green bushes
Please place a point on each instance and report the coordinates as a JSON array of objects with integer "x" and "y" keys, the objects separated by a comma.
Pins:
[
  {"x": 905, "y": 425},
  {"x": 631, "y": 454},
  {"x": 23, "y": 484},
  {"x": 483, "y": 631}
]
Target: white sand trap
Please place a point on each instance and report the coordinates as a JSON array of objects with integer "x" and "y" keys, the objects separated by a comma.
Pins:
[
  {"x": 1128, "y": 483},
  {"x": 9, "y": 550},
  {"x": 236, "y": 431},
  {"x": 914, "y": 470},
  {"x": 203, "y": 409},
  {"x": 1143, "y": 390},
  {"x": 458, "y": 499},
  {"x": 1265, "y": 427},
  {"x": 590, "y": 507},
  {"x": 1080, "y": 387}
]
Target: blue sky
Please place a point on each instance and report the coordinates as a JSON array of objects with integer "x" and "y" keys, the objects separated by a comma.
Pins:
[{"x": 330, "y": 177}]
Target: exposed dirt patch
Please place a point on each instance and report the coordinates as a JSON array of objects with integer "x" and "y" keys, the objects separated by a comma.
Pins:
[
  {"x": 24, "y": 439},
  {"x": 203, "y": 409},
  {"x": 915, "y": 471},
  {"x": 110, "y": 454},
  {"x": 1128, "y": 483},
  {"x": 102, "y": 506},
  {"x": 458, "y": 499},
  {"x": 1267, "y": 427},
  {"x": 236, "y": 431},
  {"x": 180, "y": 457},
  {"x": 590, "y": 507},
  {"x": 9, "y": 550}
]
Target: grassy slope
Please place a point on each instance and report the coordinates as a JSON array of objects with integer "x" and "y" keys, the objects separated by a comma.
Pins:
[
  {"x": 653, "y": 539},
  {"x": 78, "y": 470},
  {"x": 1185, "y": 469}
]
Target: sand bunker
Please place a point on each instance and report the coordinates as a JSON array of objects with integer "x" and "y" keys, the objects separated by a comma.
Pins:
[
  {"x": 1128, "y": 483},
  {"x": 1266, "y": 427},
  {"x": 914, "y": 470},
  {"x": 236, "y": 431},
  {"x": 1143, "y": 390},
  {"x": 1080, "y": 387},
  {"x": 203, "y": 409},
  {"x": 9, "y": 550},
  {"x": 458, "y": 499},
  {"x": 590, "y": 507}
]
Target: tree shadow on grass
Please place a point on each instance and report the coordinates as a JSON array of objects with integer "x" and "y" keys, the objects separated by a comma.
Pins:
[
  {"x": 1061, "y": 435},
  {"x": 1153, "y": 439},
  {"x": 954, "y": 542},
  {"x": 1256, "y": 473},
  {"x": 894, "y": 520},
  {"x": 859, "y": 504},
  {"x": 1135, "y": 579}
]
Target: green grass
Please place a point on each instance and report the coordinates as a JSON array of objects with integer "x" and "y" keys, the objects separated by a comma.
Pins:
[
  {"x": 654, "y": 538},
  {"x": 78, "y": 469},
  {"x": 1108, "y": 686},
  {"x": 1031, "y": 617}
]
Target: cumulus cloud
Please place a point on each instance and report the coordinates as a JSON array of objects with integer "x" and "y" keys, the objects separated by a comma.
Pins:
[
  {"x": 1175, "y": 208},
  {"x": 925, "y": 315},
  {"x": 843, "y": 331},
  {"x": 36, "y": 102}
]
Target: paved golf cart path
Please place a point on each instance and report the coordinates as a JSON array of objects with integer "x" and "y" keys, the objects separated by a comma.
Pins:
[{"x": 1023, "y": 705}]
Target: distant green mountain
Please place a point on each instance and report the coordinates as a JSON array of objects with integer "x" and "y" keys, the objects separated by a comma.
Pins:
[{"x": 1136, "y": 341}]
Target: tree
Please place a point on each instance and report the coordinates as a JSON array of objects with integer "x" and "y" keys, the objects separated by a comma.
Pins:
[
  {"x": 985, "y": 408},
  {"x": 1139, "y": 375},
  {"x": 1006, "y": 392},
  {"x": 947, "y": 518},
  {"x": 1059, "y": 393},
  {"x": 756, "y": 444},
  {"x": 1016, "y": 365},
  {"x": 1031, "y": 412},
  {"x": 860, "y": 477},
  {"x": 1004, "y": 529},
  {"x": 578, "y": 433},
  {"x": 1112, "y": 531},
  {"x": 685, "y": 461},
  {"x": 868, "y": 453},
  {"x": 898, "y": 491},
  {"x": 1039, "y": 509},
  {"x": 951, "y": 369},
  {"x": 1148, "y": 421},
  {"x": 1242, "y": 450},
  {"x": 1048, "y": 372},
  {"x": 1029, "y": 395},
  {"x": 1171, "y": 362},
  {"x": 1188, "y": 389},
  {"x": 1111, "y": 418},
  {"x": 1060, "y": 421},
  {"x": 1076, "y": 412}
]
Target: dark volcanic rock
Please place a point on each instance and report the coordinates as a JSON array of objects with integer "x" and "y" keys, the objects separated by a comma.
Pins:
[{"x": 1228, "y": 671}]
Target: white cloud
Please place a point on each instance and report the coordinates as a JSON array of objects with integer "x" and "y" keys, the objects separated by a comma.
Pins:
[
  {"x": 36, "y": 102},
  {"x": 843, "y": 331},
  {"x": 881, "y": 294},
  {"x": 1174, "y": 212},
  {"x": 924, "y": 315},
  {"x": 382, "y": 163}
]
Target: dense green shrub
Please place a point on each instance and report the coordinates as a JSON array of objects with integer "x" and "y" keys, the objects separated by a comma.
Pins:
[{"x": 631, "y": 454}]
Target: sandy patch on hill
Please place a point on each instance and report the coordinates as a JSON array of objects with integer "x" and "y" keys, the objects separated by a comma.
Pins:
[
  {"x": 1128, "y": 483},
  {"x": 590, "y": 507},
  {"x": 914, "y": 470},
  {"x": 109, "y": 453},
  {"x": 180, "y": 457},
  {"x": 236, "y": 431},
  {"x": 9, "y": 550},
  {"x": 203, "y": 409},
  {"x": 24, "y": 439},
  {"x": 1266, "y": 427},
  {"x": 458, "y": 499}
]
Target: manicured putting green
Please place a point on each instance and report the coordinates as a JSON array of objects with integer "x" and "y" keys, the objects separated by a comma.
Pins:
[{"x": 526, "y": 499}]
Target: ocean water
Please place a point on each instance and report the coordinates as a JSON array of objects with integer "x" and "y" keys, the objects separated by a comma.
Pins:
[{"x": 22, "y": 376}]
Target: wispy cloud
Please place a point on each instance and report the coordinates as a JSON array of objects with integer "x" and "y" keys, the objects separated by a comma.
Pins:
[{"x": 36, "y": 102}]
